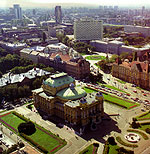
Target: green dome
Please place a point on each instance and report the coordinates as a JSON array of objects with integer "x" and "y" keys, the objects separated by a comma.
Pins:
[{"x": 71, "y": 94}]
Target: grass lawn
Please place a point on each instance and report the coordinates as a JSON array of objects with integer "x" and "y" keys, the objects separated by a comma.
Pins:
[
  {"x": 115, "y": 100},
  {"x": 95, "y": 57},
  {"x": 43, "y": 137},
  {"x": 143, "y": 127},
  {"x": 89, "y": 90},
  {"x": 113, "y": 149},
  {"x": 89, "y": 150},
  {"x": 45, "y": 140},
  {"x": 12, "y": 120},
  {"x": 145, "y": 116},
  {"x": 121, "y": 81}
]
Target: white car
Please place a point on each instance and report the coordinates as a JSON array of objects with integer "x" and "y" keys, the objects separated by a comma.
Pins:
[{"x": 142, "y": 109}]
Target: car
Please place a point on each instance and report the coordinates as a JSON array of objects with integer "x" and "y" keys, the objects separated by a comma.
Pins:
[
  {"x": 142, "y": 91},
  {"x": 146, "y": 101},
  {"x": 128, "y": 94},
  {"x": 133, "y": 85},
  {"x": 125, "y": 87},
  {"x": 143, "y": 110},
  {"x": 134, "y": 91},
  {"x": 144, "y": 95}
]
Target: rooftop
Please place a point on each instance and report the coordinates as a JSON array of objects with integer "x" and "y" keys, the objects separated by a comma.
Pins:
[
  {"x": 58, "y": 80},
  {"x": 90, "y": 97},
  {"x": 72, "y": 94}
]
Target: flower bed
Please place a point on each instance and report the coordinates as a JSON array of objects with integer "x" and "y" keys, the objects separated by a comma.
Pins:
[
  {"x": 139, "y": 132},
  {"x": 125, "y": 144}
]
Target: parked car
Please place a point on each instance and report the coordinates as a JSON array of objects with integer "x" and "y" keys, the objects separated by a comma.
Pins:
[
  {"x": 143, "y": 110},
  {"x": 134, "y": 91},
  {"x": 133, "y": 85}
]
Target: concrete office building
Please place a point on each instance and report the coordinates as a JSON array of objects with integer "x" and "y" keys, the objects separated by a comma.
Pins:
[
  {"x": 88, "y": 29},
  {"x": 143, "y": 30},
  {"x": 115, "y": 47},
  {"x": 58, "y": 14},
  {"x": 18, "y": 11}
]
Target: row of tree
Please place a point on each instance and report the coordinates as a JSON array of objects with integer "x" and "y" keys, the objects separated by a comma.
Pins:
[{"x": 10, "y": 61}]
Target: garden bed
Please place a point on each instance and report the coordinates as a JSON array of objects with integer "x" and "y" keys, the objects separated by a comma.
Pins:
[{"x": 125, "y": 143}]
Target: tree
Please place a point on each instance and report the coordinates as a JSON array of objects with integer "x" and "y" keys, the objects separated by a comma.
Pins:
[
  {"x": 124, "y": 55},
  {"x": 44, "y": 37},
  {"x": 27, "y": 128},
  {"x": 113, "y": 58},
  {"x": 36, "y": 83},
  {"x": 111, "y": 140}
]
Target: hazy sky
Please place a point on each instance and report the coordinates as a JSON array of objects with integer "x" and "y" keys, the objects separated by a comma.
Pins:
[{"x": 38, "y": 3}]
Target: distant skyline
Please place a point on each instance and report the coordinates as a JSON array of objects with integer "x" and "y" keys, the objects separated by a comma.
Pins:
[{"x": 51, "y": 3}]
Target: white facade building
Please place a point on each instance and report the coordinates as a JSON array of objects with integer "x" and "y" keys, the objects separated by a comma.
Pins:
[
  {"x": 115, "y": 47},
  {"x": 88, "y": 29}
]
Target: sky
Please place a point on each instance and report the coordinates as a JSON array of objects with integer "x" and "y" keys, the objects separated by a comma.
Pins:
[{"x": 46, "y": 3}]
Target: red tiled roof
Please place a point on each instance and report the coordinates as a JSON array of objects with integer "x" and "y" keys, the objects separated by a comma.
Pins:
[
  {"x": 64, "y": 57},
  {"x": 130, "y": 65}
]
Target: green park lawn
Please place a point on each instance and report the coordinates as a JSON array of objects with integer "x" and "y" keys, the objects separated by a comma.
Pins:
[
  {"x": 43, "y": 137},
  {"x": 89, "y": 150},
  {"x": 113, "y": 149},
  {"x": 88, "y": 90},
  {"x": 143, "y": 127},
  {"x": 145, "y": 116},
  {"x": 12, "y": 120},
  {"x": 114, "y": 100},
  {"x": 95, "y": 57}
]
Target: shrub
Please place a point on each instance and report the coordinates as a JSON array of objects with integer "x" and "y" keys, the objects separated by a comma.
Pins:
[
  {"x": 12, "y": 148},
  {"x": 124, "y": 143},
  {"x": 106, "y": 148},
  {"x": 96, "y": 145},
  {"x": 135, "y": 124},
  {"x": 111, "y": 140},
  {"x": 147, "y": 130},
  {"x": 139, "y": 132},
  {"x": 20, "y": 116},
  {"x": 122, "y": 150},
  {"x": 21, "y": 144},
  {"x": 86, "y": 151}
]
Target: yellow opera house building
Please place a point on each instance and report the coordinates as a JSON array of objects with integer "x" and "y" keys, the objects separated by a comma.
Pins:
[{"x": 59, "y": 97}]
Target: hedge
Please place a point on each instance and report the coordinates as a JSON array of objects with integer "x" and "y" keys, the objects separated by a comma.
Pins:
[
  {"x": 125, "y": 144},
  {"x": 20, "y": 116},
  {"x": 106, "y": 148},
  {"x": 143, "y": 114},
  {"x": 139, "y": 132}
]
